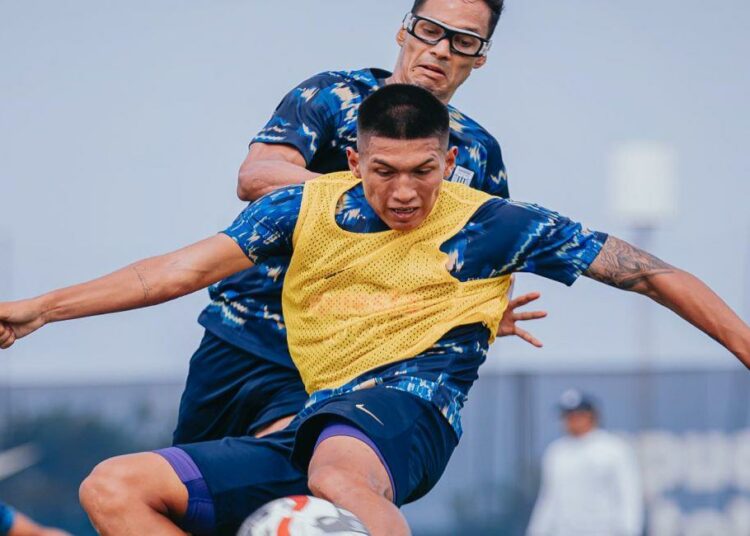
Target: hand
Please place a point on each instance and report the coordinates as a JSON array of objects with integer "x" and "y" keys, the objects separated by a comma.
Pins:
[
  {"x": 511, "y": 317},
  {"x": 18, "y": 319}
]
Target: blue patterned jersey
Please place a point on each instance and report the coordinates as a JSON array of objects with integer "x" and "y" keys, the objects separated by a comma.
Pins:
[
  {"x": 6, "y": 519},
  {"x": 501, "y": 237},
  {"x": 319, "y": 119}
]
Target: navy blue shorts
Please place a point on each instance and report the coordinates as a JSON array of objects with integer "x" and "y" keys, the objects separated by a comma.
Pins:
[
  {"x": 241, "y": 474},
  {"x": 230, "y": 393},
  {"x": 412, "y": 437}
]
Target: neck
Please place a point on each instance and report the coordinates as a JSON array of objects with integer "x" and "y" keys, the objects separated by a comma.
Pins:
[{"x": 399, "y": 78}]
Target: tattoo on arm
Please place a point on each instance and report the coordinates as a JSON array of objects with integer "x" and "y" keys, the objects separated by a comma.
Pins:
[
  {"x": 624, "y": 266},
  {"x": 144, "y": 284}
]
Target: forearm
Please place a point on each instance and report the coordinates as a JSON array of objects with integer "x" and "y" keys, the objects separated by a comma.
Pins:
[
  {"x": 624, "y": 266},
  {"x": 136, "y": 285},
  {"x": 147, "y": 282},
  {"x": 143, "y": 283},
  {"x": 260, "y": 177},
  {"x": 694, "y": 301}
]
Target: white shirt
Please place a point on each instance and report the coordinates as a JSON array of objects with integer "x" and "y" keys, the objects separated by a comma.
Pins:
[{"x": 590, "y": 487}]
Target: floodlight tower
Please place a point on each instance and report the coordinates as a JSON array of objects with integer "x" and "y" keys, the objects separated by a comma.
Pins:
[{"x": 643, "y": 189}]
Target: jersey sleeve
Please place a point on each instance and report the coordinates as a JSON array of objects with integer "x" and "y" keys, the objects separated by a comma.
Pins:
[
  {"x": 530, "y": 238},
  {"x": 6, "y": 518},
  {"x": 496, "y": 180},
  {"x": 265, "y": 228},
  {"x": 304, "y": 118}
]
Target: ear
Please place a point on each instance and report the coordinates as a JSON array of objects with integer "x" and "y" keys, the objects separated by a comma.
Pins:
[
  {"x": 400, "y": 37},
  {"x": 480, "y": 61},
  {"x": 450, "y": 161},
  {"x": 352, "y": 157}
]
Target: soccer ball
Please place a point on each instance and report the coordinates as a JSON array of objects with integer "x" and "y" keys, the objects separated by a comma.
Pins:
[{"x": 301, "y": 516}]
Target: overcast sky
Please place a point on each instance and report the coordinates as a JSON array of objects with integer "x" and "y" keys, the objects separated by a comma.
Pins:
[{"x": 122, "y": 125}]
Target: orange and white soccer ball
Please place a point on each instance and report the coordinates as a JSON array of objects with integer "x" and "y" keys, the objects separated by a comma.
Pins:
[{"x": 301, "y": 516}]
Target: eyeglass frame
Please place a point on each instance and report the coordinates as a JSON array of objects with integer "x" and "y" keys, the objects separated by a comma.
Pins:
[{"x": 410, "y": 22}]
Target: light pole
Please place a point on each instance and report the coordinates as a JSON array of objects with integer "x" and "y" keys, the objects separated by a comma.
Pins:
[{"x": 643, "y": 189}]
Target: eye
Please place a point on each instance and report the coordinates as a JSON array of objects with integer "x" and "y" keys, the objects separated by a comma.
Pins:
[
  {"x": 384, "y": 172},
  {"x": 466, "y": 42}
]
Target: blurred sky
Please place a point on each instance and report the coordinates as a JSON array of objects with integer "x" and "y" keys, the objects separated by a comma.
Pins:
[{"x": 122, "y": 125}]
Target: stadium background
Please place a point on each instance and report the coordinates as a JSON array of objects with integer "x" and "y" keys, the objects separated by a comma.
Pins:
[{"x": 121, "y": 130}]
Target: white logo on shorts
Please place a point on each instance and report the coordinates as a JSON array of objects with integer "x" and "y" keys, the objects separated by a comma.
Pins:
[
  {"x": 370, "y": 413},
  {"x": 462, "y": 175}
]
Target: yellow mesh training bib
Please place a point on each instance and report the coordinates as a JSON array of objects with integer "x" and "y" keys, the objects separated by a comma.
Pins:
[{"x": 356, "y": 301}]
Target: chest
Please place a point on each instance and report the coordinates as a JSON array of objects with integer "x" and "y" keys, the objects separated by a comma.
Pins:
[{"x": 587, "y": 464}]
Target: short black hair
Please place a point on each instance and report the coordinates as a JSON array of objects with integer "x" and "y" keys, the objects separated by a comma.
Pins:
[
  {"x": 403, "y": 112},
  {"x": 496, "y": 9}
]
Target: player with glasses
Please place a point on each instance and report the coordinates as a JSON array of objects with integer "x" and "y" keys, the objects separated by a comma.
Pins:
[{"x": 431, "y": 31}]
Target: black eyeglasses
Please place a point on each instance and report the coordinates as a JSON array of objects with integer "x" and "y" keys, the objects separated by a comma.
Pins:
[{"x": 431, "y": 31}]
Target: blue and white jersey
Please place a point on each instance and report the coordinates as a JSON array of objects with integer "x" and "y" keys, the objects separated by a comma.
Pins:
[
  {"x": 501, "y": 237},
  {"x": 319, "y": 119},
  {"x": 6, "y": 519}
]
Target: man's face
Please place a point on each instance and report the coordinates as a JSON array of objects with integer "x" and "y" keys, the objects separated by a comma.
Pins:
[
  {"x": 402, "y": 178},
  {"x": 435, "y": 67},
  {"x": 579, "y": 423}
]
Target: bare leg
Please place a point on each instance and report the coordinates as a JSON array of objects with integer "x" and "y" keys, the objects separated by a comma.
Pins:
[
  {"x": 347, "y": 472},
  {"x": 275, "y": 426},
  {"x": 134, "y": 495}
]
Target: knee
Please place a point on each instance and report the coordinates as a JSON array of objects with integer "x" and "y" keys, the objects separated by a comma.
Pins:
[
  {"x": 110, "y": 487},
  {"x": 336, "y": 484},
  {"x": 327, "y": 482}
]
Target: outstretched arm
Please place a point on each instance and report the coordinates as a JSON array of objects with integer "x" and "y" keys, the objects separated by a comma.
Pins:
[
  {"x": 147, "y": 282},
  {"x": 23, "y": 526},
  {"x": 626, "y": 267}
]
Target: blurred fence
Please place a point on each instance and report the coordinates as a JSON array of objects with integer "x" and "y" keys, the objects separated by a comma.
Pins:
[{"x": 691, "y": 431}]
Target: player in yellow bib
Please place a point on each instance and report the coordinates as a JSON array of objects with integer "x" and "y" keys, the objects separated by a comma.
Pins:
[{"x": 396, "y": 286}]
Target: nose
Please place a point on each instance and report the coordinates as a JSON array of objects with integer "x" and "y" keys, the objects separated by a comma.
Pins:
[
  {"x": 441, "y": 49},
  {"x": 403, "y": 192}
]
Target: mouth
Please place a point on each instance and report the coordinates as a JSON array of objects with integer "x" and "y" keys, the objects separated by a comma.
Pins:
[
  {"x": 403, "y": 214},
  {"x": 433, "y": 69}
]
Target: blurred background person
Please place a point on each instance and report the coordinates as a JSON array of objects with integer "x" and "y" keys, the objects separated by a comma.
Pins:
[
  {"x": 590, "y": 482},
  {"x": 13, "y": 523}
]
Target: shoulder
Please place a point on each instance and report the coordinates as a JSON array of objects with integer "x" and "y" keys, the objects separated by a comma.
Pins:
[
  {"x": 337, "y": 177},
  {"x": 613, "y": 442},
  {"x": 516, "y": 211},
  {"x": 467, "y": 130},
  {"x": 283, "y": 194},
  {"x": 466, "y": 194},
  {"x": 556, "y": 449},
  {"x": 324, "y": 79},
  {"x": 357, "y": 81},
  {"x": 282, "y": 201}
]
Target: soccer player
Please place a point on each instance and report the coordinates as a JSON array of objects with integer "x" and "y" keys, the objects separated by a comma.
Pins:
[
  {"x": 394, "y": 292},
  {"x": 13, "y": 523},
  {"x": 241, "y": 378}
]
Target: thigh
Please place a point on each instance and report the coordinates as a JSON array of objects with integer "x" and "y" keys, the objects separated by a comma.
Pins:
[
  {"x": 277, "y": 392},
  {"x": 231, "y": 392},
  {"x": 244, "y": 473},
  {"x": 412, "y": 438}
]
